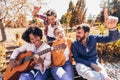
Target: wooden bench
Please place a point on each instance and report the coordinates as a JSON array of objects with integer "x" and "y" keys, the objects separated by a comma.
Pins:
[{"x": 10, "y": 50}]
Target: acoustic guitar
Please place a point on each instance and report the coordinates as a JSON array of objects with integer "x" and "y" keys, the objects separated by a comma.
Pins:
[{"x": 26, "y": 62}]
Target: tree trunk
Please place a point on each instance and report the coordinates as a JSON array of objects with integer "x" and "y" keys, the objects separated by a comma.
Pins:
[{"x": 3, "y": 34}]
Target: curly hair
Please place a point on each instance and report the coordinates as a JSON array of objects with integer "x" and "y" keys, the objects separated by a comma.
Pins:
[{"x": 34, "y": 30}]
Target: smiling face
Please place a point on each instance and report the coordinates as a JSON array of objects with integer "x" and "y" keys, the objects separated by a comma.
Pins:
[
  {"x": 82, "y": 32},
  {"x": 59, "y": 34},
  {"x": 33, "y": 35},
  {"x": 35, "y": 39},
  {"x": 51, "y": 19},
  {"x": 80, "y": 35},
  {"x": 51, "y": 16}
]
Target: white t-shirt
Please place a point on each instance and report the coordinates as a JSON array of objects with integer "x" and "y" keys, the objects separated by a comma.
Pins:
[
  {"x": 51, "y": 29},
  {"x": 66, "y": 52}
]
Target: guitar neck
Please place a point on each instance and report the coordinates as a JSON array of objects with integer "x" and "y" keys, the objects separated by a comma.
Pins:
[{"x": 43, "y": 51}]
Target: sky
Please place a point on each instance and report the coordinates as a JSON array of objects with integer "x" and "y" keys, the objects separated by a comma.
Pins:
[{"x": 61, "y": 6}]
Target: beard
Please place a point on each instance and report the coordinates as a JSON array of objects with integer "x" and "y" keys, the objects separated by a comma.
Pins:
[{"x": 80, "y": 39}]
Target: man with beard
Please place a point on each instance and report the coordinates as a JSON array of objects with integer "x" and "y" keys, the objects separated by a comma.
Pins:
[{"x": 84, "y": 49}]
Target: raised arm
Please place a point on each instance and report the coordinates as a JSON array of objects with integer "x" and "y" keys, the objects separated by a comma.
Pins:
[
  {"x": 110, "y": 21},
  {"x": 35, "y": 11}
]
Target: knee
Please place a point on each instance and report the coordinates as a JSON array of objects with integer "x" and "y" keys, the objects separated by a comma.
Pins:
[
  {"x": 67, "y": 77},
  {"x": 92, "y": 76},
  {"x": 26, "y": 76},
  {"x": 88, "y": 75}
]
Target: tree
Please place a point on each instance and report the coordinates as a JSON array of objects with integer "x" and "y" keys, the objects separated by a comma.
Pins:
[
  {"x": 10, "y": 10},
  {"x": 75, "y": 14},
  {"x": 117, "y": 14},
  {"x": 21, "y": 21},
  {"x": 36, "y": 22},
  {"x": 2, "y": 31},
  {"x": 78, "y": 13},
  {"x": 71, "y": 6},
  {"x": 100, "y": 17},
  {"x": 63, "y": 19},
  {"x": 113, "y": 9}
]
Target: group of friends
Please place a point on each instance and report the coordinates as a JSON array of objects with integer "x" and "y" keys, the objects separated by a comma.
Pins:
[{"x": 59, "y": 62}]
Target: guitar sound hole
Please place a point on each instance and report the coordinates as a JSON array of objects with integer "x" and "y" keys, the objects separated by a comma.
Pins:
[{"x": 22, "y": 61}]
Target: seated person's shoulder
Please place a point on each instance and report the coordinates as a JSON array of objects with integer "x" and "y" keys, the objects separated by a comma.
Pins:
[
  {"x": 69, "y": 38},
  {"x": 56, "y": 42},
  {"x": 46, "y": 45},
  {"x": 74, "y": 41}
]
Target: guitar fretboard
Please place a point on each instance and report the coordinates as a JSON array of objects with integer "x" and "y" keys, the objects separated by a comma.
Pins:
[
  {"x": 44, "y": 51},
  {"x": 39, "y": 53}
]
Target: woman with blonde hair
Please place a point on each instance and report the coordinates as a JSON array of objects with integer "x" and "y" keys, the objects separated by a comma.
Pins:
[{"x": 61, "y": 59}]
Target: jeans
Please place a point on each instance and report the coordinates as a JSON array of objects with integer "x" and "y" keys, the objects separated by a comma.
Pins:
[
  {"x": 50, "y": 38},
  {"x": 88, "y": 73},
  {"x": 34, "y": 75},
  {"x": 64, "y": 72}
]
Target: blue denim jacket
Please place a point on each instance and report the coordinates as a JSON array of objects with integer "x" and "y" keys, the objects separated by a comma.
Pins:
[{"x": 87, "y": 55}]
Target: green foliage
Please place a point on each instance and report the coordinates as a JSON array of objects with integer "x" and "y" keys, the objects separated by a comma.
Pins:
[
  {"x": 36, "y": 22},
  {"x": 2, "y": 55},
  {"x": 118, "y": 26},
  {"x": 101, "y": 29},
  {"x": 75, "y": 14},
  {"x": 17, "y": 35},
  {"x": 117, "y": 14},
  {"x": 63, "y": 19},
  {"x": 109, "y": 48}
]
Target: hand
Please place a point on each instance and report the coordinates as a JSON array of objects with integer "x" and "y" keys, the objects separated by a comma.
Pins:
[
  {"x": 36, "y": 10},
  {"x": 110, "y": 21},
  {"x": 95, "y": 67},
  {"x": 13, "y": 63},
  {"x": 107, "y": 78},
  {"x": 38, "y": 59}
]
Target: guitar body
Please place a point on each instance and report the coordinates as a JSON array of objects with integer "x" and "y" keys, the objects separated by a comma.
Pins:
[{"x": 14, "y": 73}]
